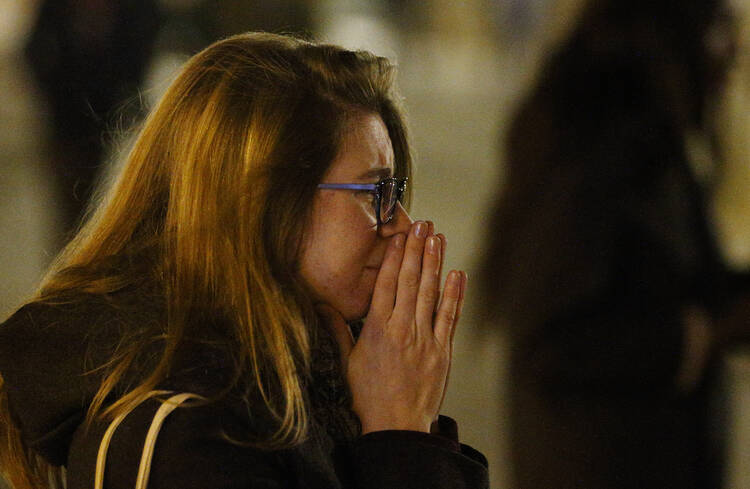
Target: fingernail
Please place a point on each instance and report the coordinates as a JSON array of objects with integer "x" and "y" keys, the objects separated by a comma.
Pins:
[
  {"x": 398, "y": 241},
  {"x": 432, "y": 245},
  {"x": 420, "y": 229},
  {"x": 455, "y": 278}
]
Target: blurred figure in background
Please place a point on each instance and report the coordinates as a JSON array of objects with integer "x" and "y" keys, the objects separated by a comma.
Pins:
[
  {"x": 88, "y": 56},
  {"x": 602, "y": 262}
]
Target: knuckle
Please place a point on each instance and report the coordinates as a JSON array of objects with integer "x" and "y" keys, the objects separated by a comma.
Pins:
[
  {"x": 431, "y": 260},
  {"x": 436, "y": 363},
  {"x": 399, "y": 335},
  {"x": 447, "y": 315},
  {"x": 411, "y": 281},
  {"x": 452, "y": 293},
  {"x": 427, "y": 294},
  {"x": 443, "y": 359},
  {"x": 389, "y": 282}
]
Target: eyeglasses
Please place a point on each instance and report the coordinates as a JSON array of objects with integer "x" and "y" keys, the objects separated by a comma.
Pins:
[{"x": 387, "y": 193}]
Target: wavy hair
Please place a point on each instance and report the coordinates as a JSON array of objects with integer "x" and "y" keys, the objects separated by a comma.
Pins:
[{"x": 210, "y": 208}]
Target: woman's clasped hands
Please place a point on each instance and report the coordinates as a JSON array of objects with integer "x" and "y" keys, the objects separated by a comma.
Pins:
[{"x": 398, "y": 368}]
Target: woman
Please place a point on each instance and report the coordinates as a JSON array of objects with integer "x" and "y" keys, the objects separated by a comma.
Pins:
[
  {"x": 228, "y": 260},
  {"x": 602, "y": 263}
]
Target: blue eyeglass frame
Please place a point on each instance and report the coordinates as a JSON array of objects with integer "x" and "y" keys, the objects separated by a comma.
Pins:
[{"x": 377, "y": 190}]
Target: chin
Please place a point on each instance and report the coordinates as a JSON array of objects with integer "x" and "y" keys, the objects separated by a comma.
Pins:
[
  {"x": 354, "y": 314},
  {"x": 355, "y": 309}
]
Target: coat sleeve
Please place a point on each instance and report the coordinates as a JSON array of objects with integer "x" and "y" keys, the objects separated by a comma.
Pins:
[{"x": 386, "y": 459}]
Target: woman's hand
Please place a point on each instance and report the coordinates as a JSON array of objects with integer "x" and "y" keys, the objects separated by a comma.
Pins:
[{"x": 398, "y": 368}]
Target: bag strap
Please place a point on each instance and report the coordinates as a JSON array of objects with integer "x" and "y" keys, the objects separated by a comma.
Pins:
[{"x": 144, "y": 469}]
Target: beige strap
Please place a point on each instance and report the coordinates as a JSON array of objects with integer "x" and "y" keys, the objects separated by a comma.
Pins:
[
  {"x": 148, "y": 447},
  {"x": 144, "y": 468}
]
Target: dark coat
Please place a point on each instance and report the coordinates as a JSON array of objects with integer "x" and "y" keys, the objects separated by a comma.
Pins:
[
  {"x": 45, "y": 350},
  {"x": 600, "y": 242}
]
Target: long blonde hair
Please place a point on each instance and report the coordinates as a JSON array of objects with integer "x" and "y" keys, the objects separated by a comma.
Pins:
[{"x": 210, "y": 209}]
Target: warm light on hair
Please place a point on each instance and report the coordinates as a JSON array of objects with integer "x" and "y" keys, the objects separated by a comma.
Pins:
[{"x": 209, "y": 211}]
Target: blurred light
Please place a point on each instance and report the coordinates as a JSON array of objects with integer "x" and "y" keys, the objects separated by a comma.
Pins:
[
  {"x": 16, "y": 18},
  {"x": 162, "y": 70},
  {"x": 356, "y": 25}
]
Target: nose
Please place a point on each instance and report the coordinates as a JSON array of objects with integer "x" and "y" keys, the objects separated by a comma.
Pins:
[{"x": 400, "y": 223}]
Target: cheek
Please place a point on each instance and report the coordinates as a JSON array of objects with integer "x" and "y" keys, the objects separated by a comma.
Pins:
[
  {"x": 349, "y": 292},
  {"x": 338, "y": 265},
  {"x": 339, "y": 262}
]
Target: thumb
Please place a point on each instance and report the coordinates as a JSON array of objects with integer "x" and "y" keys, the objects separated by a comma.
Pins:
[{"x": 340, "y": 329}]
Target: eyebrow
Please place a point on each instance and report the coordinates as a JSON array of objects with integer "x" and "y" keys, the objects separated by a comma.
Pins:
[{"x": 378, "y": 173}]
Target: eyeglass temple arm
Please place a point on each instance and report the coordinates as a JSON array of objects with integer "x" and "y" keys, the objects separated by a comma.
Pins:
[{"x": 349, "y": 186}]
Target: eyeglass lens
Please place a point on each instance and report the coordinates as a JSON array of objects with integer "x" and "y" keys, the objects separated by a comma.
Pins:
[{"x": 388, "y": 199}]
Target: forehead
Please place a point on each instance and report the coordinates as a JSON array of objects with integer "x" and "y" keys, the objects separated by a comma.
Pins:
[{"x": 365, "y": 149}]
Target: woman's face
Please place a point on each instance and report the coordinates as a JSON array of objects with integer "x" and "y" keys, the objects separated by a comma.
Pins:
[{"x": 344, "y": 247}]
